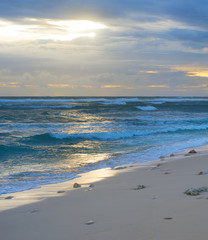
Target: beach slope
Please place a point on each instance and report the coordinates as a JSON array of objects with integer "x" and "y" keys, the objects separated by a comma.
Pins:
[{"x": 145, "y": 203}]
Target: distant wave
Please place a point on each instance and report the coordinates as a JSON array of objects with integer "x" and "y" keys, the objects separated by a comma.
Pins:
[
  {"x": 177, "y": 99},
  {"x": 158, "y": 102},
  {"x": 66, "y": 106},
  {"x": 103, "y": 100},
  {"x": 147, "y": 108},
  {"x": 55, "y": 100}
]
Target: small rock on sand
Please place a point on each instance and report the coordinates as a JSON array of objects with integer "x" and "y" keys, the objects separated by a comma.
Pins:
[
  {"x": 9, "y": 197},
  {"x": 193, "y": 151},
  {"x": 119, "y": 168},
  {"x": 138, "y": 187},
  {"x": 167, "y": 218},
  {"x": 203, "y": 173},
  {"x": 34, "y": 211},
  {"x": 89, "y": 222},
  {"x": 76, "y": 185},
  {"x": 172, "y": 155},
  {"x": 196, "y": 191},
  {"x": 60, "y": 191},
  {"x": 91, "y": 185}
]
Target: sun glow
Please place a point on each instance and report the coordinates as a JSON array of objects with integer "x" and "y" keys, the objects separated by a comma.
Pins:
[
  {"x": 57, "y": 30},
  {"x": 77, "y": 25}
]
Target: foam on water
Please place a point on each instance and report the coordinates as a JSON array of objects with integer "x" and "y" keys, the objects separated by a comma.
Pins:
[{"x": 147, "y": 108}]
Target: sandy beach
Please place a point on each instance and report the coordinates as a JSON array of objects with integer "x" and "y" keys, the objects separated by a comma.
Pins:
[{"x": 135, "y": 202}]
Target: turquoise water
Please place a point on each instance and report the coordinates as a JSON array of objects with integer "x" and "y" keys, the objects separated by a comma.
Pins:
[{"x": 50, "y": 140}]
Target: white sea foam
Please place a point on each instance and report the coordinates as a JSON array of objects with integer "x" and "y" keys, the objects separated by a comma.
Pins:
[
  {"x": 158, "y": 102},
  {"x": 147, "y": 108},
  {"x": 154, "y": 153},
  {"x": 54, "y": 100},
  {"x": 176, "y": 99},
  {"x": 114, "y": 102}
]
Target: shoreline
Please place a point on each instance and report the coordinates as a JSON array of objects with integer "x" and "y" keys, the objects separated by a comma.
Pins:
[
  {"x": 44, "y": 192},
  {"x": 134, "y": 202}
]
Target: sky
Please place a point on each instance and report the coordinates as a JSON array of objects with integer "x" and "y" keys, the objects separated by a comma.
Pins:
[{"x": 103, "y": 48}]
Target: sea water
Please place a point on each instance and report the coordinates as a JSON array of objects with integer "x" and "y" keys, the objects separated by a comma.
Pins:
[{"x": 49, "y": 140}]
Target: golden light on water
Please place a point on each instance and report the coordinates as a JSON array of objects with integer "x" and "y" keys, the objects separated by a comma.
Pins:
[{"x": 45, "y": 29}]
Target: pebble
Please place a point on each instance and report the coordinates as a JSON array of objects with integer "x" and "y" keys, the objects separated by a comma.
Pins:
[
  {"x": 9, "y": 197},
  {"x": 76, "y": 185},
  {"x": 60, "y": 191},
  {"x": 138, "y": 187},
  {"x": 89, "y": 222},
  {"x": 203, "y": 173},
  {"x": 119, "y": 168},
  {"x": 92, "y": 185},
  {"x": 193, "y": 151},
  {"x": 34, "y": 211},
  {"x": 168, "y": 218},
  {"x": 196, "y": 191}
]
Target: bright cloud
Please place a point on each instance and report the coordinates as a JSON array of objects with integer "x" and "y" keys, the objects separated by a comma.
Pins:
[
  {"x": 37, "y": 29},
  {"x": 192, "y": 71},
  {"x": 61, "y": 85},
  {"x": 198, "y": 74},
  {"x": 151, "y": 72}
]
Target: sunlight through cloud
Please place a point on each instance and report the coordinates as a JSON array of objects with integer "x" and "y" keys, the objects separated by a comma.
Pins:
[{"x": 45, "y": 29}]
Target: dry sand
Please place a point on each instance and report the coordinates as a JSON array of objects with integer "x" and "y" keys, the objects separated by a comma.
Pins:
[{"x": 113, "y": 209}]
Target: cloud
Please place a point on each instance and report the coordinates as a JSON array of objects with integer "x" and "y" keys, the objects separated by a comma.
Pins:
[
  {"x": 111, "y": 86},
  {"x": 158, "y": 86},
  {"x": 151, "y": 72},
  {"x": 88, "y": 86},
  {"x": 31, "y": 29},
  {"x": 198, "y": 74},
  {"x": 61, "y": 85},
  {"x": 199, "y": 86},
  {"x": 9, "y": 85},
  {"x": 48, "y": 47},
  {"x": 192, "y": 71}
]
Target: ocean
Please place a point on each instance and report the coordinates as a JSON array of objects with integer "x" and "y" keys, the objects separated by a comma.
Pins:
[{"x": 46, "y": 140}]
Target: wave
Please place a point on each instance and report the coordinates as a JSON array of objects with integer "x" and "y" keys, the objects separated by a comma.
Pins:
[
  {"x": 56, "y": 100},
  {"x": 66, "y": 106},
  {"x": 177, "y": 99},
  {"x": 158, "y": 102},
  {"x": 147, "y": 108},
  {"x": 103, "y": 100},
  {"x": 52, "y": 136}
]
